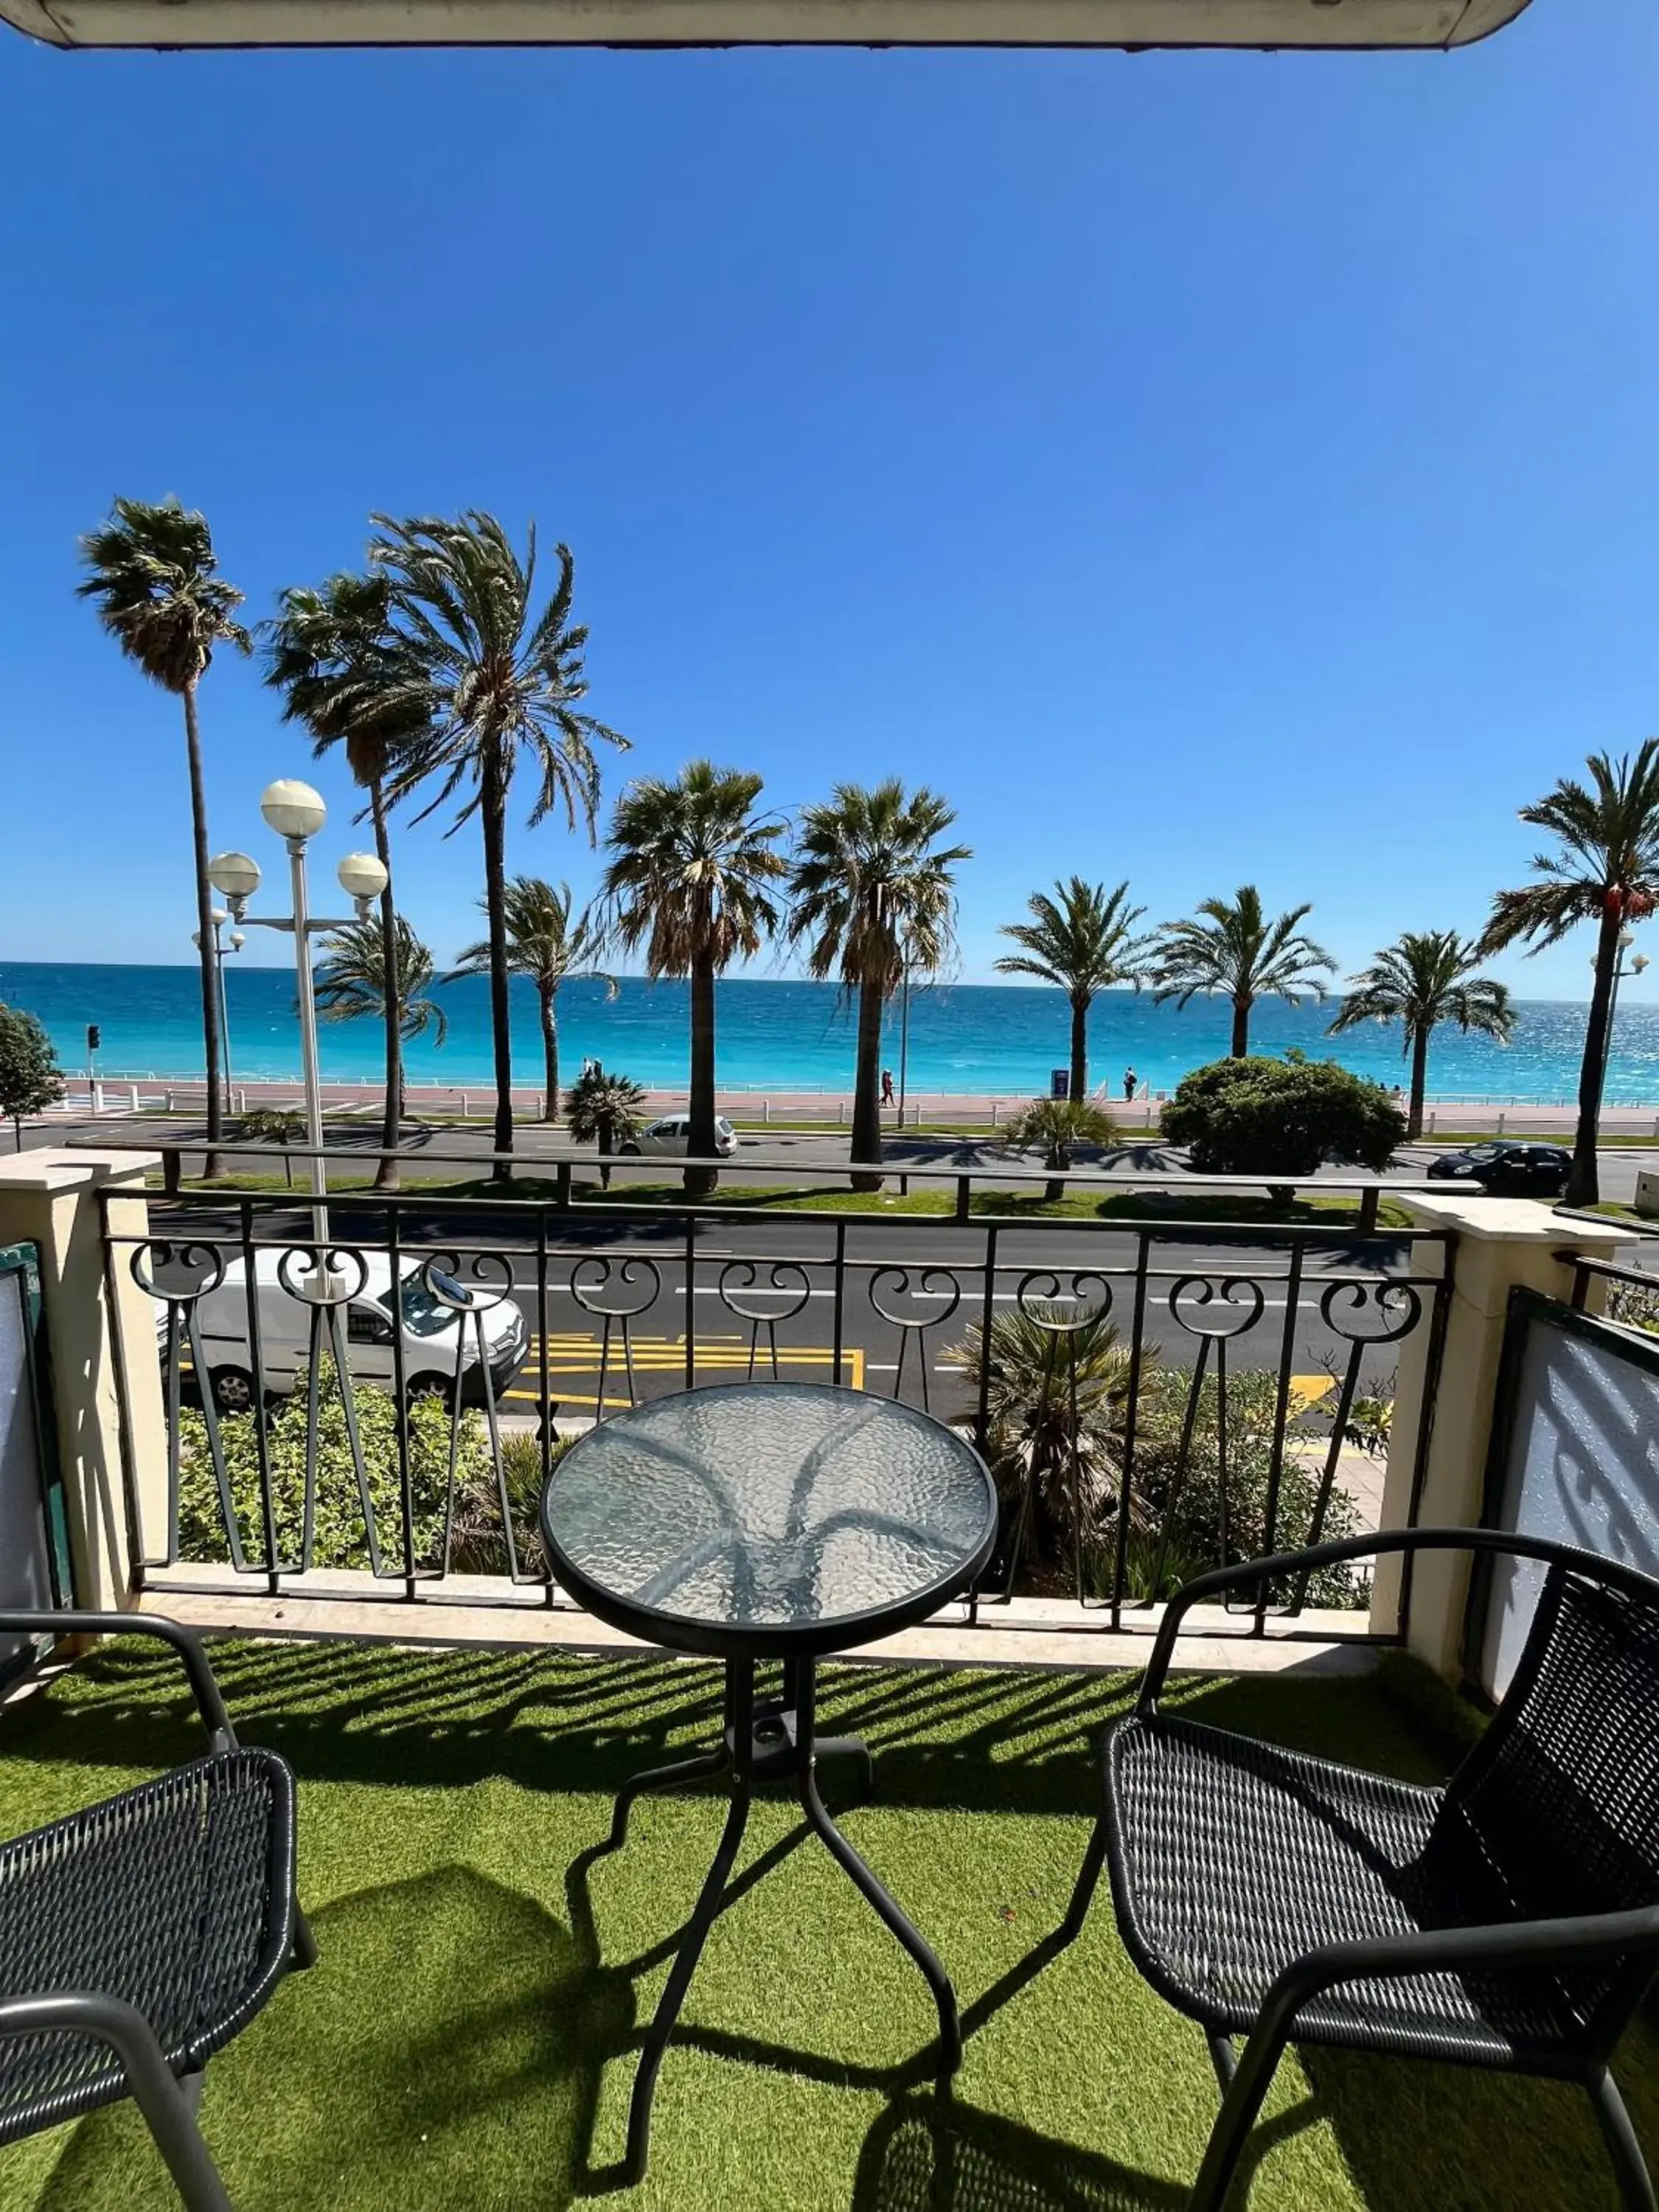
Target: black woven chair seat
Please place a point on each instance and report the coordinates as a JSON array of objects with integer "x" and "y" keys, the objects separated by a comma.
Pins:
[
  {"x": 177, "y": 1896},
  {"x": 1234, "y": 1858}
]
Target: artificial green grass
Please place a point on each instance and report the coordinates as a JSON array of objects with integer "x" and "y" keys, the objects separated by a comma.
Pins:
[{"x": 465, "y": 2038}]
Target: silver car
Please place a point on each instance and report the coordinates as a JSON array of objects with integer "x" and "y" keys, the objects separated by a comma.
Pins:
[{"x": 671, "y": 1138}]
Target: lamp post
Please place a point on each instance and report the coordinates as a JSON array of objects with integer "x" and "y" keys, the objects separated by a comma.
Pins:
[
  {"x": 296, "y": 813},
  {"x": 237, "y": 941},
  {"x": 904, "y": 1029},
  {"x": 1638, "y": 962}
]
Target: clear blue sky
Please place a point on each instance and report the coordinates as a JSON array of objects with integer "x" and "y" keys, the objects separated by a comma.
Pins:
[{"x": 1201, "y": 468}]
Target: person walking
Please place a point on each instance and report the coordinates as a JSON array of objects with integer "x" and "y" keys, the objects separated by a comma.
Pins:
[
  {"x": 887, "y": 1086},
  {"x": 1129, "y": 1086}
]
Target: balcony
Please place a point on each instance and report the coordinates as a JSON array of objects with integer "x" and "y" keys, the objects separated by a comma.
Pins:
[
  {"x": 467, "y": 2036},
  {"x": 459, "y": 1726},
  {"x": 1163, "y": 1392}
]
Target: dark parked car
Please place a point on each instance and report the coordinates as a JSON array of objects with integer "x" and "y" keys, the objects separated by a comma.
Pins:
[{"x": 1508, "y": 1170}]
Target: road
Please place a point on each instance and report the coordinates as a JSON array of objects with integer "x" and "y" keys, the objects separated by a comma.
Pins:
[
  {"x": 639, "y": 1263},
  {"x": 912, "y": 1288}
]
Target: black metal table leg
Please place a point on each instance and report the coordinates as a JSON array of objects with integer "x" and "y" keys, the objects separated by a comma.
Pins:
[
  {"x": 696, "y": 1769},
  {"x": 740, "y": 1707},
  {"x": 949, "y": 2024},
  {"x": 779, "y": 1740}
]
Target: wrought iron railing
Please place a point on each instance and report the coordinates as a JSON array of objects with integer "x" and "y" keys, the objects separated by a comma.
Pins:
[{"x": 1160, "y": 1393}]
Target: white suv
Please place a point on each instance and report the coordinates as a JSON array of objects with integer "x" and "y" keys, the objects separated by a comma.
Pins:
[{"x": 671, "y": 1138}]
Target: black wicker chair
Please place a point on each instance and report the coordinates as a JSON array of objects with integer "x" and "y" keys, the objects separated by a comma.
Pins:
[
  {"x": 138, "y": 1937},
  {"x": 1509, "y": 1920}
]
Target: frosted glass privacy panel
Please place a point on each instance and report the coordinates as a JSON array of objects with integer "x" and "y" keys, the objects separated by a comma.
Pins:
[
  {"x": 1582, "y": 1465},
  {"x": 25, "y": 1568}
]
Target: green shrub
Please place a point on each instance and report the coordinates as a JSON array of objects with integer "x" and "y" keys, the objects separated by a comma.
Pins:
[
  {"x": 1281, "y": 1117},
  {"x": 1053, "y": 1396},
  {"x": 339, "y": 1539},
  {"x": 1190, "y": 1505}
]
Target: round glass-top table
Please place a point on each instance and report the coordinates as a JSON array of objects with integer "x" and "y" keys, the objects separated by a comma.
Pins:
[{"x": 767, "y": 1521}]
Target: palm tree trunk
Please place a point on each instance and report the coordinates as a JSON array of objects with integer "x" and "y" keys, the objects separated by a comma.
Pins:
[
  {"x": 1419, "y": 1085},
  {"x": 699, "y": 1182},
  {"x": 1583, "y": 1183},
  {"x": 388, "y": 1177},
  {"x": 604, "y": 1140},
  {"x": 866, "y": 1095},
  {"x": 550, "y": 1047},
  {"x": 215, "y": 1127},
  {"x": 1079, "y": 1046},
  {"x": 1239, "y": 1046},
  {"x": 492, "y": 809}
]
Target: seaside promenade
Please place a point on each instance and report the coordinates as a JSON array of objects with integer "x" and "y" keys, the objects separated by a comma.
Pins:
[{"x": 114, "y": 1097}]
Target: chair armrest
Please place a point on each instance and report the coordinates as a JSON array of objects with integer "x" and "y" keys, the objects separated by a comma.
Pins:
[
  {"x": 1361, "y": 1547},
  {"x": 122, "y": 2028},
  {"x": 1438, "y": 1950},
  {"x": 185, "y": 1641}
]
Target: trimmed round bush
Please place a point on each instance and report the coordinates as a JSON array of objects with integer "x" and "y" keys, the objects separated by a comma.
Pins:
[{"x": 1282, "y": 1118}]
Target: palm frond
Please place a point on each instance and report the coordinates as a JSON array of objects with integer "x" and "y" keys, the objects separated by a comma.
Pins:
[
  {"x": 350, "y": 981},
  {"x": 1234, "y": 948},
  {"x": 872, "y": 889},
  {"x": 1082, "y": 940},
  {"x": 1426, "y": 978},
  {"x": 692, "y": 869},
  {"x": 153, "y": 576}
]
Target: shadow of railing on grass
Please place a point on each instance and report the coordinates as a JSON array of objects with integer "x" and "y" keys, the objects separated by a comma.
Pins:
[
  {"x": 345, "y": 1712},
  {"x": 973, "y": 1739}
]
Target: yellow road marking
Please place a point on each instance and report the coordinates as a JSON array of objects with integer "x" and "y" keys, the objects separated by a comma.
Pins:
[
  {"x": 1308, "y": 1389},
  {"x": 664, "y": 1356}
]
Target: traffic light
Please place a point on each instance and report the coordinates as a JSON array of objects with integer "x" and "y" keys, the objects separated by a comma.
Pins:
[{"x": 94, "y": 1040}]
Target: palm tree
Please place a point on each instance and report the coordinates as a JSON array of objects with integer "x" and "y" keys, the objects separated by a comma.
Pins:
[
  {"x": 605, "y": 1109},
  {"x": 154, "y": 575},
  {"x": 1425, "y": 978},
  {"x": 543, "y": 944},
  {"x": 1057, "y": 1391},
  {"x": 345, "y": 676},
  {"x": 499, "y": 683},
  {"x": 1052, "y": 1127},
  {"x": 1235, "y": 949},
  {"x": 871, "y": 892},
  {"x": 276, "y": 1125},
  {"x": 690, "y": 880},
  {"x": 354, "y": 979},
  {"x": 1605, "y": 869},
  {"x": 1081, "y": 940}
]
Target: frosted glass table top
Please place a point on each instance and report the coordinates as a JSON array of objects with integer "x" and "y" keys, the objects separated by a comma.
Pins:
[{"x": 768, "y": 1519}]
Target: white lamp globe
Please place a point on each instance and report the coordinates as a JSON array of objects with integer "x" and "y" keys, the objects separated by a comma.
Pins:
[
  {"x": 292, "y": 809},
  {"x": 235, "y": 874},
  {"x": 362, "y": 876}
]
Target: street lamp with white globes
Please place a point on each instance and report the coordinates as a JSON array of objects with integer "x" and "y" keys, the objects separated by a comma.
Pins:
[
  {"x": 296, "y": 813},
  {"x": 1638, "y": 961}
]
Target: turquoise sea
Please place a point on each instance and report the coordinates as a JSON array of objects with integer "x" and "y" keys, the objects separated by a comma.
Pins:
[{"x": 973, "y": 1038}]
